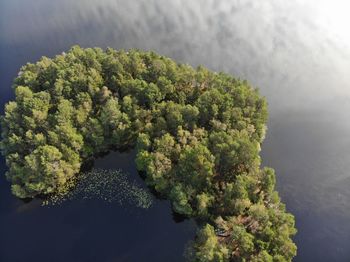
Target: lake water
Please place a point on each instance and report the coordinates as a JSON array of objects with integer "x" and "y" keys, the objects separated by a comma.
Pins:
[{"x": 296, "y": 52}]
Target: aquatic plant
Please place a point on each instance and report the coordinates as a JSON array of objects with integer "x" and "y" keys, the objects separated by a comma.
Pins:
[{"x": 113, "y": 186}]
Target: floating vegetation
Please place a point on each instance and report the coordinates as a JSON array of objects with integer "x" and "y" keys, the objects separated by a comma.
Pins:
[{"x": 107, "y": 185}]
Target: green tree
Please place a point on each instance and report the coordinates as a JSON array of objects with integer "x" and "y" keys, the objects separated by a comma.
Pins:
[{"x": 207, "y": 247}]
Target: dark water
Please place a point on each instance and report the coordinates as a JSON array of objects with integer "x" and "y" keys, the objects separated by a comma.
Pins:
[
  {"x": 92, "y": 230},
  {"x": 297, "y": 52}
]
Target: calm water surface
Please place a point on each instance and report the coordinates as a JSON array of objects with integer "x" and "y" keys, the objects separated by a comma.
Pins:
[
  {"x": 92, "y": 230},
  {"x": 296, "y": 52}
]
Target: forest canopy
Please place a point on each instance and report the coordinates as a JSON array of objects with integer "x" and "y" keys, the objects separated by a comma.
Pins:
[{"x": 197, "y": 134}]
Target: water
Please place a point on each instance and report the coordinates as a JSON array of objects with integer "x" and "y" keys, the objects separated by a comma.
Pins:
[
  {"x": 92, "y": 230},
  {"x": 297, "y": 52}
]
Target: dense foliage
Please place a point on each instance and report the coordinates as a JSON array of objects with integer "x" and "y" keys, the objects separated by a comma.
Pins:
[{"x": 197, "y": 135}]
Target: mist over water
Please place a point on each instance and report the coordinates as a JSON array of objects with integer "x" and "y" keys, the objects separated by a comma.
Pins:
[{"x": 296, "y": 52}]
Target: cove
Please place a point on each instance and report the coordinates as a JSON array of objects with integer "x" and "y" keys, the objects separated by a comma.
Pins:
[{"x": 92, "y": 230}]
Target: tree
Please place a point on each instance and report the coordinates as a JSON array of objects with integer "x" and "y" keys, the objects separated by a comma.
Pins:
[
  {"x": 196, "y": 166},
  {"x": 207, "y": 247},
  {"x": 180, "y": 200}
]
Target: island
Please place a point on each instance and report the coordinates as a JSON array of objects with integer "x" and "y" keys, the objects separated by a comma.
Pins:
[{"x": 197, "y": 134}]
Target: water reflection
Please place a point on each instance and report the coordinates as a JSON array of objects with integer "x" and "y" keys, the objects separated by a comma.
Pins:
[{"x": 297, "y": 52}]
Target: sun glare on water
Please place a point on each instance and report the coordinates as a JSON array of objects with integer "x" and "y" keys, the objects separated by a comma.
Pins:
[{"x": 334, "y": 17}]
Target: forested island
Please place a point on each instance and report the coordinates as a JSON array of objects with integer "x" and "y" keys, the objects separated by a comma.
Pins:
[{"x": 197, "y": 134}]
